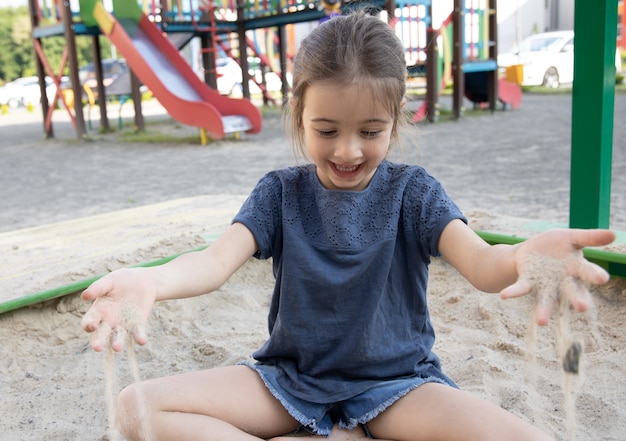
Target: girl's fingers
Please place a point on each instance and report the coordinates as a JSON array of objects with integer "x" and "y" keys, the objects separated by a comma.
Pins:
[
  {"x": 592, "y": 273},
  {"x": 591, "y": 238},
  {"x": 112, "y": 322},
  {"x": 139, "y": 334},
  {"x": 97, "y": 289},
  {"x": 542, "y": 316},
  {"x": 91, "y": 319},
  {"x": 100, "y": 308},
  {"x": 518, "y": 289},
  {"x": 100, "y": 338},
  {"x": 546, "y": 297},
  {"x": 118, "y": 338},
  {"x": 544, "y": 306},
  {"x": 576, "y": 294}
]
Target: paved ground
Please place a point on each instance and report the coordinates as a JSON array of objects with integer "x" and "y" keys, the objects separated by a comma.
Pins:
[{"x": 513, "y": 163}]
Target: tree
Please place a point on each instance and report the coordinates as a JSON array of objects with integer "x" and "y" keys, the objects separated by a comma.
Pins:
[
  {"x": 17, "y": 57},
  {"x": 9, "y": 65}
]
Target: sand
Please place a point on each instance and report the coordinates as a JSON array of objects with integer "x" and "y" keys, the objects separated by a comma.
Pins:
[{"x": 53, "y": 386}]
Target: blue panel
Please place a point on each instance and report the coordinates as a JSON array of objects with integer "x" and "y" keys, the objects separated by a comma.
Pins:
[{"x": 480, "y": 66}]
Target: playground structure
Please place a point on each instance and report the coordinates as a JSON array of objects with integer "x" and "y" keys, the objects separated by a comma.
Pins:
[
  {"x": 153, "y": 60},
  {"x": 138, "y": 34},
  {"x": 231, "y": 29},
  {"x": 461, "y": 52},
  {"x": 158, "y": 63}
]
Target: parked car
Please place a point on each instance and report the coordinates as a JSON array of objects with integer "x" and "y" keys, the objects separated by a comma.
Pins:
[
  {"x": 25, "y": 91},
  {"x": 548, "y": 59},
  {"x": 115, "y": 77},
  {"x": 229, "y": 77}
]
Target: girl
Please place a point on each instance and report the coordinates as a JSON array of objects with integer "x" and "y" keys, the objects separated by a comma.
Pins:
[{"x": 351, "y": 235}]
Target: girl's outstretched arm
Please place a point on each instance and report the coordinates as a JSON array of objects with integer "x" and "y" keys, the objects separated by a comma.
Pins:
[
  {"x": 123, "y": 299},
  {"x": 551, "y": 260}
]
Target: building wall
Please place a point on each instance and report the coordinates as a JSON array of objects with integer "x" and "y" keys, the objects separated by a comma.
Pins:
[
  {"x": 565, "y": 15},
  {"x": 542, "y": 16},
  {"x": 520, "y": 18}
]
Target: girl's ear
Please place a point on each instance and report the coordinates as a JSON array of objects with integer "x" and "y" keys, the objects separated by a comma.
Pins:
[
  {"x": 292, "y": 103},
  {"x": 403, "y": 103}
]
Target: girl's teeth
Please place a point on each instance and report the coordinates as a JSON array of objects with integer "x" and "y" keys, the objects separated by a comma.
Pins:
[{"x": 347, "y": 169}]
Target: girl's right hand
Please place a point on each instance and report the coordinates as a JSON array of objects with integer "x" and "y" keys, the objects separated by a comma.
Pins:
[{"x": 122, "y": 302}]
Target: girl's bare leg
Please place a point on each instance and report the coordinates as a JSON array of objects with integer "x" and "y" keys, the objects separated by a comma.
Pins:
[
  {"x": 229, "y": 403},
  {"x": 436, "y": 412}
]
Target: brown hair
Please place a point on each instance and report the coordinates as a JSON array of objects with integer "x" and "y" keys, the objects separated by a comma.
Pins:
[{"x": 352, "y": 49}]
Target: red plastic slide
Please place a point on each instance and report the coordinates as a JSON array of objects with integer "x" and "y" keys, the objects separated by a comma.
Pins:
[{"x": 159, "y": 65}]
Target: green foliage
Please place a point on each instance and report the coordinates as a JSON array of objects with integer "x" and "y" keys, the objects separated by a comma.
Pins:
[{"x": 17, "y": 57}]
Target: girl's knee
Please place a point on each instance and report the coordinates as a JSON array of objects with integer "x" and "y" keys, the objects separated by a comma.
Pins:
[{"x": 130, "y": 411}]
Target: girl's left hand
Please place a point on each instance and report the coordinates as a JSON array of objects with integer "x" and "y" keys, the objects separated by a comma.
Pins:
[{"x": 552, "y": 264}]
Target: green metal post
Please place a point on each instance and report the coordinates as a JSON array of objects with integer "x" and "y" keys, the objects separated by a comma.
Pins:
[{"x": 593, "y": 100}]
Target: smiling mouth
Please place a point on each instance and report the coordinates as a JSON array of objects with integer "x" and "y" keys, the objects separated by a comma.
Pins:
[{"x": 348, "y": 169}]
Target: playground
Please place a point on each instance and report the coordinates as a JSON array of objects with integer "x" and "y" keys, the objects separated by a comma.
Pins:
[
  {"x": 77, "y": 207},
  {"x": 460, "y": 51}
]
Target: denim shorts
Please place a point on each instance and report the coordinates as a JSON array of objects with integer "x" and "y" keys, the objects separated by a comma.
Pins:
[{"x": 319, "y": 419}]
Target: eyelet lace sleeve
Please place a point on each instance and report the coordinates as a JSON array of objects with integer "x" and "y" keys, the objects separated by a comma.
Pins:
[{"x": 262, "y": 214}]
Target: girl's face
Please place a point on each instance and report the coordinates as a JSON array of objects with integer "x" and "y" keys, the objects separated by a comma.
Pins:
[{"x": 346, "y": 133}]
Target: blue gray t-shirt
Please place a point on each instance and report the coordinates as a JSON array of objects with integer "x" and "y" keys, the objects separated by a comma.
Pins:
[{"x": 349, "y": 305}]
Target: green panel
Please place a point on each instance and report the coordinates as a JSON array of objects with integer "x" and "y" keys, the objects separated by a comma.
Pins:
[
  {"x": 127, "y": 9},
  {"x": 86, "y": 12},
  {"x": 121, "y": 8},
  {"x": 130, "y": 25},
  {"x": 72, "y": 288},
  {"x": 593, "y": 99}
]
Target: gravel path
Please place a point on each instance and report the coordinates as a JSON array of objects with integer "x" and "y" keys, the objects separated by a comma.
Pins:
[{"x": 512, "y": 163}]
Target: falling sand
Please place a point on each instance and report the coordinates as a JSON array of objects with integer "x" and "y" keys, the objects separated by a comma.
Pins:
[
  {"x": 130, "y": 321},
  {"x": 555, "y": 291}
]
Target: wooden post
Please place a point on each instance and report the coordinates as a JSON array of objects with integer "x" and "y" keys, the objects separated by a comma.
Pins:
[
  {"x": 432, "y": 72},
  {"x": 41, "y": 74},
  {"x": 492, "y": 75},
  {"x": 70, "y": 40},
  {"x": 136, "y": 95},
  {"x": 458, "y": 56},
  {"x": 102, "y": 99},
  {"x": 243, "y": 49},
  {"x": 208, "y": 59},
  {"x": 282, "y": 49}
]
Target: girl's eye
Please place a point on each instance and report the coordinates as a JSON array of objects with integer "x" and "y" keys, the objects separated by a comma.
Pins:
[
  {"x": 370, "y": 133},
  {"x": 326, "y": 133}
]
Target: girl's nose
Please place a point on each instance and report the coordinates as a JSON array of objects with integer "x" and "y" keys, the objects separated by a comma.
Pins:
[{"x": 348, "y": 149}]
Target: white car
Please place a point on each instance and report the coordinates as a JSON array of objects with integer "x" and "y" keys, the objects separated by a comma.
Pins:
[
  {"x": 25, "y": 91},
  {"x": 229, "y": 78},
  {"x": 548, "y": 59}
]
